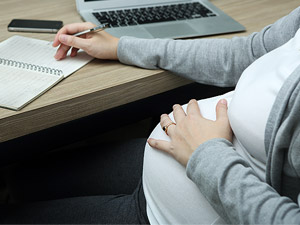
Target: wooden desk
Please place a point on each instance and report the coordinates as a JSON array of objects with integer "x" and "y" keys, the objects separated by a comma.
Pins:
[{"x": 102, "y": 85}]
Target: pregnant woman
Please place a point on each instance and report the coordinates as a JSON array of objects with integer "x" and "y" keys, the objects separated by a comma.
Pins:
[{"x": 233, "y": 158}]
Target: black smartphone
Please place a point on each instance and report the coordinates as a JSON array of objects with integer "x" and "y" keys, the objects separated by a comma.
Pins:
[{"x": 39, "y": 26}]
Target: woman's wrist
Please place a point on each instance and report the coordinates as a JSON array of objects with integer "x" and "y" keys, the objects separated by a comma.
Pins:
[{"x": 115, "y": 44}]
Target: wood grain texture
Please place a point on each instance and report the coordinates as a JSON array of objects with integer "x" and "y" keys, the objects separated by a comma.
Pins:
[{"x": 102, "y": 85}]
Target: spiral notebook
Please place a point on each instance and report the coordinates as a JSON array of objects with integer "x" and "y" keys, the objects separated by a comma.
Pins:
[{"x": 28, "y": 69}]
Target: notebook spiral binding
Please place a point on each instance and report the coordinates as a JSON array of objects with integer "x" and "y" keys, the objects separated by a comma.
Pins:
[{"x": 28, "y": 66}]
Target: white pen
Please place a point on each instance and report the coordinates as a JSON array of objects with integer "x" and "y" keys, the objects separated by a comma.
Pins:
[{"x": 95, "y": 29}]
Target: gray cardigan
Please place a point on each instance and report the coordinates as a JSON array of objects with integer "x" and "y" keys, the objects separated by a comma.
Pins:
[{"x": 226, "y": 179}]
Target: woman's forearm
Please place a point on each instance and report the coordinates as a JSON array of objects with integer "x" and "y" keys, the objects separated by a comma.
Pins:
[{"x": 217, "y": 62}]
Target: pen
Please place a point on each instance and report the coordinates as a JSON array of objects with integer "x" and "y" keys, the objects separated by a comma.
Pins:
[{"x": 95, "y": 29}]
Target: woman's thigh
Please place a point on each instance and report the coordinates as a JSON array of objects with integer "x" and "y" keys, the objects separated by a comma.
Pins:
[
  {"x": 94, "y": 169},
  {"x": 109, "y": 209}
]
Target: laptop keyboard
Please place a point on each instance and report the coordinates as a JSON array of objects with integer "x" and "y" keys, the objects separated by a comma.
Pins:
[{"x": 128, "y": 17}]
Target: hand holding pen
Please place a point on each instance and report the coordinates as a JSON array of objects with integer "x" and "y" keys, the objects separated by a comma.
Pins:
[
  {"x": 85, "y": 36},
  {"x": 95, "y": 29}
]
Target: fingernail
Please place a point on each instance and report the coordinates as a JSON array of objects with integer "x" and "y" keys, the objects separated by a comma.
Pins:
[
  {"x": 150, "y": 140},
  {"x": 63, "y": 37},
  {"x": 223, "y": 101}
]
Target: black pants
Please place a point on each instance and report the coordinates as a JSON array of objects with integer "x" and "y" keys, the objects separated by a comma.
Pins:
[{"x": 99, "y": 184}]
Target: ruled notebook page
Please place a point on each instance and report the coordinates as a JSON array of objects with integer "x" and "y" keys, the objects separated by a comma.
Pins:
[
  {"x": 18, "y": 87},
  {"x": 40, "y": 52},
  {"x": 28, "y": 69}
]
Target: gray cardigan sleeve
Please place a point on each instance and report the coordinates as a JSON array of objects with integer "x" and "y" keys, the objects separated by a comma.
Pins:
[
  {"x": 218, "y": 62},
  {"x": 233, "y": 189}
]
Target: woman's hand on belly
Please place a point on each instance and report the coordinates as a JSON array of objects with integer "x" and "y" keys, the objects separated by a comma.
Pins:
[{"x": 191, "y": 130}]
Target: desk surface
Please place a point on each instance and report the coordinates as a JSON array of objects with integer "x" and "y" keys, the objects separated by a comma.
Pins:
[{"x": 102, "y": 85}]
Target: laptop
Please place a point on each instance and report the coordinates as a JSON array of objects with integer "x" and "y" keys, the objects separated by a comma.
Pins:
[{"x": 158, "y": 18}]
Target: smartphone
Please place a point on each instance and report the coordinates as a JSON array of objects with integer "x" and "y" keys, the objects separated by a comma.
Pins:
[{"x": 39, "y": 26}]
